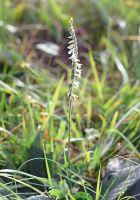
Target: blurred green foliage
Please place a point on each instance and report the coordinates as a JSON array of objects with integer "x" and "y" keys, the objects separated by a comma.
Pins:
[{"x": 33, "y": 96}]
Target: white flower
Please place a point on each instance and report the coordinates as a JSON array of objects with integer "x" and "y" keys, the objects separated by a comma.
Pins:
[{"x": 73, "y": 51}]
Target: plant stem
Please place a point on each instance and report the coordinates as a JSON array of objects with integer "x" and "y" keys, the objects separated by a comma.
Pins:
[
  {"x": 69, "y": 121},
  {"x": 76, "y": 74},
  {"x": 69, "y": 125},
  {"x": 69, "y": 128}
]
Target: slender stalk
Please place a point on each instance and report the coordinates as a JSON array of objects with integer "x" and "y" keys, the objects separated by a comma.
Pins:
[
  {"x": 69, "y": 125},
  {"x": 70, "y": 119},
  {"x": 76, "y": 74}
]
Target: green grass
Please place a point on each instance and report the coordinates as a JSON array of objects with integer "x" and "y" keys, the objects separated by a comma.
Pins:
[{"x": 34, "y": 103}]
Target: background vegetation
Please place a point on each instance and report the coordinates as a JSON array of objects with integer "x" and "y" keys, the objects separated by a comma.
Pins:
[{"x": 34, "y": 76}]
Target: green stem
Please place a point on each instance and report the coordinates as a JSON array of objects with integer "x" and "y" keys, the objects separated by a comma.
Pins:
[
  {"x": 69, "y": 122},
  {"x": 69, "y": 128}
]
